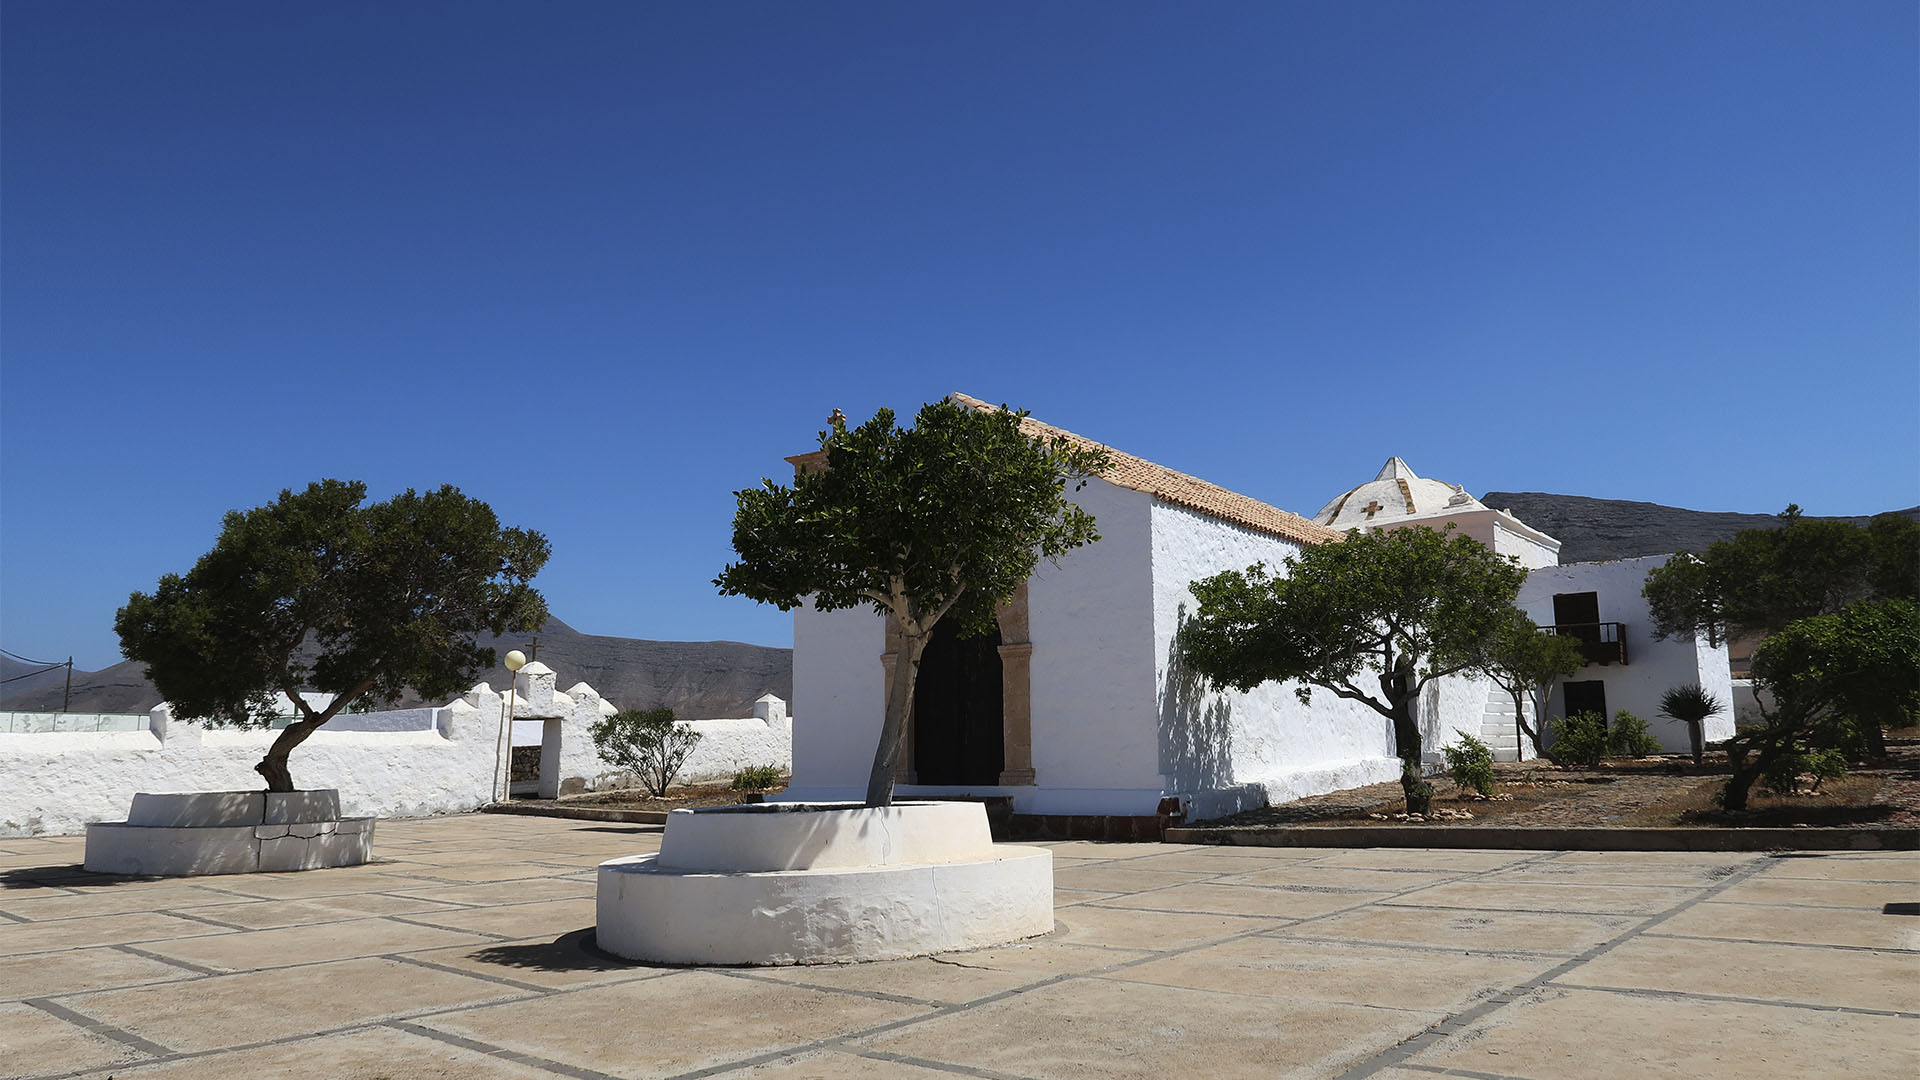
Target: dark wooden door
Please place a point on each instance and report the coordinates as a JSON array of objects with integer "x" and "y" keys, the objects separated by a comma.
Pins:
[
  {"x": 1587, "y": 697},
  {"x": 959, "y": 733},
  {"x": 1578, "y": 615}
]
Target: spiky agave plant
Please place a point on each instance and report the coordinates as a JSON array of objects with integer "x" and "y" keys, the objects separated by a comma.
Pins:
[{"x": 1691, "y": 704}]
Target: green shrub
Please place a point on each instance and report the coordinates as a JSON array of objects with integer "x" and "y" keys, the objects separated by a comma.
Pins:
[
  {"x": 649, "y": 742},
  {"x": 1783, "y": 773},
  {"x": 1580, "y": 739},
  {"x": 758, "y": 778},
  {"x": 1630, "y": 738},
  {"x": 1471, "y": 763}
]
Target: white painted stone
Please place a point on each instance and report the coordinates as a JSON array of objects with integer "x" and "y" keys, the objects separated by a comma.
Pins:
[
  {"x": 117, "y": 848},
  {"x": 789, "y": 836},
  {"x": 197, "y": 809},
  {"x": 290, "y": 806},
  {"x": 700, "y": 914},
  {"x": 223, "y": 832}
]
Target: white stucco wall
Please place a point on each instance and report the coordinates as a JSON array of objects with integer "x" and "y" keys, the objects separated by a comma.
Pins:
[
  {"x": 839, "y": 688},
  {"x": 1532, "y": 553},
  {"x": 1225, "y": 750},
  {"x": 1653, "y": 667},
  {"x": 1095, "y": 750},
  {"x": 408, "y": 763}
]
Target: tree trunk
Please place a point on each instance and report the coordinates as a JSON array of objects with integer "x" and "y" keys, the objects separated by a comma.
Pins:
[
  {"x": 1697, "y": 738},
  {"x": 1406, "y": 739},
  {"x": 274, "y": 765},
  {"x": 906, "y": 671},
  {"x": 1734, "y": 795}
]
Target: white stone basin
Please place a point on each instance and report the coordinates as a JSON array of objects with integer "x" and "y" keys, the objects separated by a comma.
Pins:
[
  {"x": 789, "y": 883},
  {"x": 229, "y": 832}
]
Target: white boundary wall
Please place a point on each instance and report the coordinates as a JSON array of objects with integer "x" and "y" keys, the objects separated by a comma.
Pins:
[{"x": 403, "y": 763}]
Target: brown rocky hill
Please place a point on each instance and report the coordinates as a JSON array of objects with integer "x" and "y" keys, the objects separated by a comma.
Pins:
[
  {"x": 697, "y": 679},
  {"x": 1590, "y": 530}
]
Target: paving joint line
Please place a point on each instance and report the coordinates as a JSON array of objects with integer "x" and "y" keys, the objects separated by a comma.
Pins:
[
  {"x": 1470, "y": 1074},
  {"x": 98, "y": 1027},
  {"x": 929, "y": 1064},
  {"x": 516, "y": 984},
  {"x": 558, "y": 1068},
  {"x": 1695, "y": 995},
  {"x": 1894, "y": 949},
  {"x": 497, "y": 938},
  {"x": 184, "y": 965},
  {"x": 943, "y": 1011},
  {"x": 209, "y": 920},
  {"x": 1398, "y": 1054}
]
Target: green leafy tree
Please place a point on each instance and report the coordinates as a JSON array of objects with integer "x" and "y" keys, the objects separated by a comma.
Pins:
[
  {"x": 1524, "y": 661},
  {"x": 942, "y": 520},
  {"x": 649, "y": 743},
  {"x": 1372, "y": 618},
  {"x": 1831, "y": 679},
  {"x": 1761, "y": 580},
  {"x": 315, "y": 591}
]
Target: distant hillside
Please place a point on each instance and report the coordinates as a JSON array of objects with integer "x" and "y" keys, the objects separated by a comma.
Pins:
[
  {"x": 697, "y": 679},
  {"x": 1590, "y": 530}
]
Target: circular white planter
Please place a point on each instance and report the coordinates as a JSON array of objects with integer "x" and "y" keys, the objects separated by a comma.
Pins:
[
  {"x": 229, "y": 832},
  {"x": 792, "y": 883}
]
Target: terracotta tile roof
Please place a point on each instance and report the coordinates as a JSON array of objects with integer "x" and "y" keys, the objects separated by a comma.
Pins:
[{"x": 1138, "y": 474}]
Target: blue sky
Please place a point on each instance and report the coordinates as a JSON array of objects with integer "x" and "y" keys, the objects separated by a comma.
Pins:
[{"x": 601, "y": 264}]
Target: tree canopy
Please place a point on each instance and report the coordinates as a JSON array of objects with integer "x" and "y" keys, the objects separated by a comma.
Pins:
[
  {"x": 944, "y": 519},
  {"x": 1520, "y": 659},
  {"x": 1372, "y": 618},
  {"x": 1761, "y": 580},
  {"x": 315, "y": 592},
  {"x": 1832, "y": 680}
]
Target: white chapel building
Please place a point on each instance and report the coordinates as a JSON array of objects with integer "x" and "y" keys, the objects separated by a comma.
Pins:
[{"x": 1079, "y": 705}]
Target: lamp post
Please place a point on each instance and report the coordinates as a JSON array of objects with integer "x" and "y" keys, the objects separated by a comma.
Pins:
[{"x": 515, "y": 660}]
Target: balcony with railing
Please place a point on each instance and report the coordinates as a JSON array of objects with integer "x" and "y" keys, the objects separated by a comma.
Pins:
[{"x": 1601, "y": 642}]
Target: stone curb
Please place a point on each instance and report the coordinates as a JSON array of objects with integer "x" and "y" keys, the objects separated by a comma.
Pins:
[
  {"x": 580, "y": 813},
  {"x": 1556, "y": 839}
]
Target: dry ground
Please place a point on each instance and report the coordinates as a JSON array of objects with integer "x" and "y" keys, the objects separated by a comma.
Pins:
[{"x": 1648, "y": 793}]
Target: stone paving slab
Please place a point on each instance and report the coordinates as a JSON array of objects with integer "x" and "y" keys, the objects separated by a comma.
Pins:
[{"x": 465, "y": 951}]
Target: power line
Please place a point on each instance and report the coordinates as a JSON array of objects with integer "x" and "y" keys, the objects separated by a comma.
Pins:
[
  {"x": 66, "y": 696},
  {"x": 24, "y": 660}
]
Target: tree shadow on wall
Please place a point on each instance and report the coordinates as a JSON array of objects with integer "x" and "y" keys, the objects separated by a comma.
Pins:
[{"x": 1196, "y": 725}]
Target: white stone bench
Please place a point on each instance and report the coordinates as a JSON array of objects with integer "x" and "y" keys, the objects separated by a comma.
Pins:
[{"x": 229, "y": 832}]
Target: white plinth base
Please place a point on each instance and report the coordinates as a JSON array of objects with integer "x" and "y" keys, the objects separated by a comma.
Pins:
[
  {"x": 929, "y": 880},
  {"x": 229, "y": 832}
]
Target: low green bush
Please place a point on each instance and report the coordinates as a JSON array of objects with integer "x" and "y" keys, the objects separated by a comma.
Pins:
[
  {"x": 1782, "y": 775},
  {"x": 1580, "y": 739},
  {"x": 648, "y": 742},
  {"x": 1471, "y": 763},
  {"x": 1629, "y": 737},
  {"x": 758, "y": 778}
]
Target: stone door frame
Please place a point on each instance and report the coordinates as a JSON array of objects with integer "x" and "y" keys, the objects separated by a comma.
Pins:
[{"x": 1016, "y": 690}]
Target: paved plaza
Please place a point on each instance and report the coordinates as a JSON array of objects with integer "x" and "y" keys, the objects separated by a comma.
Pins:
[{"x": 464, "y": 952}]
